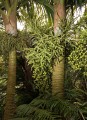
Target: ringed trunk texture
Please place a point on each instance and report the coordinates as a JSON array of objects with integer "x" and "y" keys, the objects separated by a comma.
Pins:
[
  {"x": 58, "y": 78},
  {"x": 10, "y": 23},
  {"x": 58, "y": 68},
  {"x": 10, "y": 103}
]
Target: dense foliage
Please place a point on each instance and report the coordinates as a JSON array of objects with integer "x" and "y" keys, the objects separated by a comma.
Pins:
[
  {"x": 45, "y": 49},
  {"x": 39, "y": 49},
  {"x": 8, "y": 42},
  {"x": 52, "y": 108},
  {"x": 78, "y": 57}
]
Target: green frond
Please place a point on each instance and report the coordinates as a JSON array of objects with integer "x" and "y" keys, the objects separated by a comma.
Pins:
[
  {"x": 49, "y": 8},
  {"x": 51, "y": 109},
  {"x": 38, "y": 102},
  {"x": 35, "y": 112},
  {"x": 40, "y": 57},
  {"x": 41, "y": 114},
  {"x": 50, "y": 14}
]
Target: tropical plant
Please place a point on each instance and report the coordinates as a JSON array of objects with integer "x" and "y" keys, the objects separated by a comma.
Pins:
[
  {"x": 74, "y": 106},
  {"x": 9, "y": 11},
  {"x": 77, "y": 58},
  {"x": 45, "y": 49},
  {"x": 52, "y": 108},
  {"x": 60, "y": 7},
  {"x": 10, "y": 23}
]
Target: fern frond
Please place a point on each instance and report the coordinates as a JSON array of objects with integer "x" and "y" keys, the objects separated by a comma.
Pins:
[
  {"x": 35, "y": 113},
  {"x": 50, "y": 109}
]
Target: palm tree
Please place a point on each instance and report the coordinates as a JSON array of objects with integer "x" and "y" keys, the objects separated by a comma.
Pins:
[
  {"x": 60, "y": 7},
  {"x": 58, "y": 68},
  {"x": 10, "y": 23},
  {"x": 9, "y": 12},
  {"x": 9, "y": 15}
]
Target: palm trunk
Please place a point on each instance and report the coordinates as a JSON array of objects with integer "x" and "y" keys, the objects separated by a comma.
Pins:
[
  {"x": 58, "y": 78},
  {"x": 10, "y": 103},
  {"x": 10, "y": 23},
  {"x": 10, "y": 28},
  {"x": 58, "y": 68}
]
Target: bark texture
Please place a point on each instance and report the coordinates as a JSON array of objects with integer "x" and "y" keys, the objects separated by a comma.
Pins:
[
  {"x": 10, "y": 22},
  {"x": 58, "y": 68},
  {"x": 10, "y": 102},
  {"x": 59, "y": 16},
  {"x": 58, "y": 78}
]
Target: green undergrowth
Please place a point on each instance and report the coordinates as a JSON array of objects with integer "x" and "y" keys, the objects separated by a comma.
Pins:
[{"x": 53, "y": 108}]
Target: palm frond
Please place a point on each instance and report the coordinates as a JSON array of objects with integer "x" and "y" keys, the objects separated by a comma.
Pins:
[
  {"x": 48, "y": 6},
  {"x": 51, "y": 109}
]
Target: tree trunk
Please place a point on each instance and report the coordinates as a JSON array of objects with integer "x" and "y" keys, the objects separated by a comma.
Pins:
[
  {"x": 58, "y": 68},
  {"x": 10, "y": 103},
  {"x": 10, "y": 23}
]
